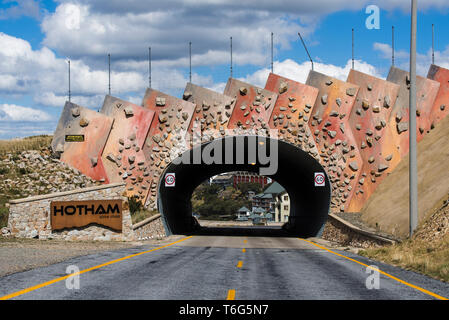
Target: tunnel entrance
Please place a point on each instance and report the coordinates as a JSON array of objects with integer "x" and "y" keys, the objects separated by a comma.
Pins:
[{"x": 290, "y": 166}]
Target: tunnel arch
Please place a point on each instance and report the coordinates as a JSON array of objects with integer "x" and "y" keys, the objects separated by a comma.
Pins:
[{"x": 309, "y": 205}]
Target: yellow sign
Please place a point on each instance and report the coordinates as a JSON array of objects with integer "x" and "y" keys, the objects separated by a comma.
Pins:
[
  {"x": 74, "y": 138},
  {"x": 72, "y": 214}
]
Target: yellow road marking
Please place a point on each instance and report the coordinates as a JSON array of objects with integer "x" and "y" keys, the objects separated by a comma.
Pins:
[
  {"x": 382, "y": 272},
  {"x": 243, "y": 250},
  {"x": 239, "y": 264},
  {"x": 231, "y": 294},
  {"x": 18, "y": 293}
]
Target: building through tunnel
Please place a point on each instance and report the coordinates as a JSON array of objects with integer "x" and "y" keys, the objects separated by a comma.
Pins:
[{"x": 291, "y": 167}]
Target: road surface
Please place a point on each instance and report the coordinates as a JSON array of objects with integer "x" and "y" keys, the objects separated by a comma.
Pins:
[{"x": 208, "y": 267}]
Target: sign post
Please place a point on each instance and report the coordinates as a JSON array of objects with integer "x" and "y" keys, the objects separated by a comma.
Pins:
[
  {"x": 320, "y": 179},
  {"x": 170, "y": 179}
]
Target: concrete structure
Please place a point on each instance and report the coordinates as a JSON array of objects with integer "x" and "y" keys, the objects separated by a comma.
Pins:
[
  {"x": 349, "y": 130},
  {"x": 30, "y": 217}
]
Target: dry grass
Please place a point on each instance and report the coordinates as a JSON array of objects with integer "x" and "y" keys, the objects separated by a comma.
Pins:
[
  {"x": 429, "y": 258},
  {"x": 28, "y": 143},
  {"x": 142, "y": 215}
]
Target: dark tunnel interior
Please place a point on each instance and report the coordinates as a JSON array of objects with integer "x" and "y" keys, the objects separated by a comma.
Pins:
[{"x": 291, "y": 167}]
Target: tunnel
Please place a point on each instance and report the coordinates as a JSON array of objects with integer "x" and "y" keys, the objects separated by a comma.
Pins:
[{"x": 285, "y": 163}]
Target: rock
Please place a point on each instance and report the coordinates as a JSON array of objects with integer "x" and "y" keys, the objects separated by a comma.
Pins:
[
  {"x": 332, "y": 134},
  {"x": 329, "y": 82},
  {"x": 387, "y": 102},
  {"x": 162, "y": 118},
  {"x": 382, "y": 167},
  {"x": 132, "y": 137},
  {"x": 283, "y": 87},
  {"x": 365, "y": 104},
  {"x": 338, "y": 101},
  {"x": 402, "y": 127},
  {"x": 324, "y": 99},
  {"x": 94, "y": 161},
  {"x": 187, "y": 95},
  {"x": 389, "y": 157},
  {"x": 84, "y": 122},
  {"x": 351, "y": 92},
  {"x": 75, "y": 112},
  {"x": 131, "y": 159},
  {"x": 376, "y": 109},
  {"x": 243, "y": 91},
  {"x": 442, "y": 107},
  {"x": 111, "y": 157},
  {"x": 129, "y": 112},
  {"x": 160, "y": 101}
]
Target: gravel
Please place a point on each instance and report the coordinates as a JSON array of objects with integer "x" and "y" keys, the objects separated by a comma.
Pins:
[{"x": 18, "y": 255}]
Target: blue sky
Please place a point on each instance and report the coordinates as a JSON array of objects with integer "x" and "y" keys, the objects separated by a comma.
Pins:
[{"x": 37, "y": 38}]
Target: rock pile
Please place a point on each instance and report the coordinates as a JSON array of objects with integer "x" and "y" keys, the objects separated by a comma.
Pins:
[
  {"x": 436, "y": 227},
  {"x": 33, "y": 172}
]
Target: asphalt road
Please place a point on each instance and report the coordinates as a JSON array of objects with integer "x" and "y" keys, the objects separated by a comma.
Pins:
[{"x": 207, "y": 267}]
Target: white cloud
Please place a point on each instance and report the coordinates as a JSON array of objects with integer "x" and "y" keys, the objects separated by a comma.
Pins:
[
  {"x": 423, "y": 61},
  {"x": 43, "y": 75},
  {"x": 127, "y": 33},
  {"x": 27, "y": 8},
  {"x": 14, "y": 113},
  {"x": 299, "y": 72}
]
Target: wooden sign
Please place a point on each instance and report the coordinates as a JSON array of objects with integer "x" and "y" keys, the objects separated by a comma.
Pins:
[{"x": 72, "y": 214}]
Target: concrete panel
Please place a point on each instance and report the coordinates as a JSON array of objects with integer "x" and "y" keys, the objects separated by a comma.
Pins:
[
  {"x": 440, "y": 107},
  {"x": 213, "y": 110},
  {"x": 84, "y": 156},
  {"x": 123, "y": 156},
  {"x": 253, "y": 105},
  {"x": 329, "y": 123},
  {"x": 369, "y": 123},
  {"x": 292, "y": 111},
  {"x": 426, "y": 92},
  {"x": 167, "y": 133}
]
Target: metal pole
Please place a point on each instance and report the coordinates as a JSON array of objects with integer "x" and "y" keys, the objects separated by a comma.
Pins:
[
  {"x": 231, "y": 57},
  {"x": 352, "y": 48},
  {"x": 392, "y": 45},
  {"x": 190, "y": 59},
  {"x": 305, "y": 47},
  {"x": 69, "y": 84},
  {"x": 149, "y": 67},
  {"x": 109, "y": 64},
  {"x": 272, "y": 53},
  {"x": 433, "y": 43},
  {"x": 413, "y": 174}
]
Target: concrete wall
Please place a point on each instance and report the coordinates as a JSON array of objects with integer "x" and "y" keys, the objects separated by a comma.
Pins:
[
  {"x": 30, "y": 217},
  {"x": 149, "y": 228}
]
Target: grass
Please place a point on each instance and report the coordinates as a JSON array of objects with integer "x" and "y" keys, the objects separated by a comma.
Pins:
[
  {"x": 429, "y": 258},
  {"x": 141, "y": 215},
  {"x": 28, "y": 143}
]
